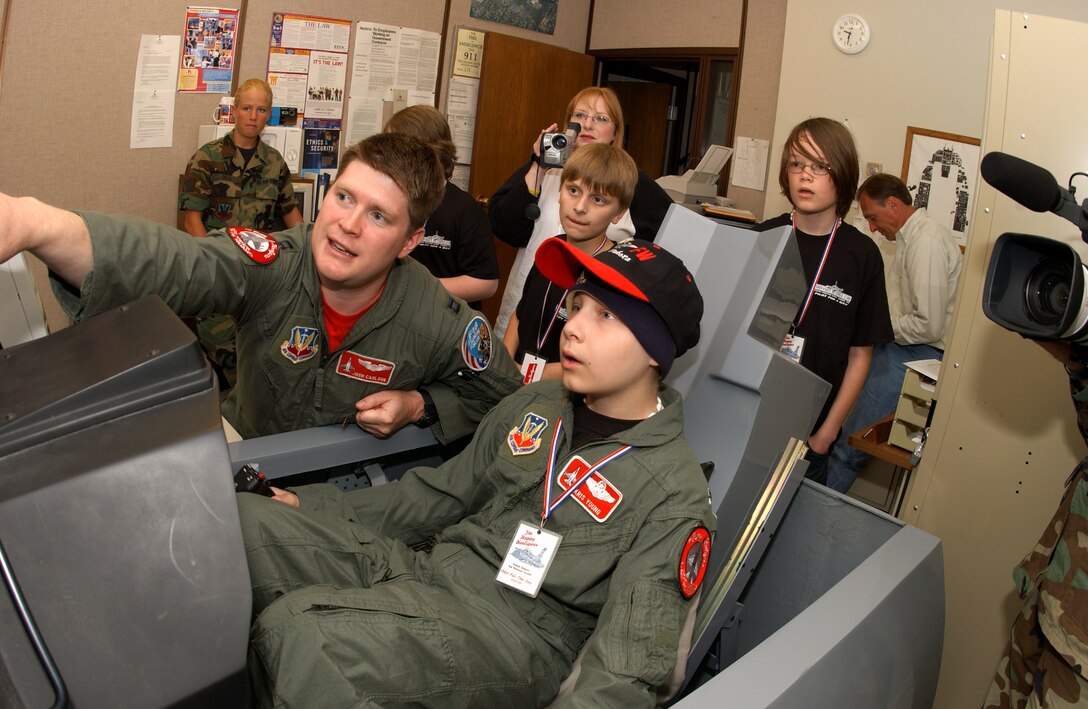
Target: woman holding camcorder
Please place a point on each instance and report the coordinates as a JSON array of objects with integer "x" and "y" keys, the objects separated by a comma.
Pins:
[{"x": 525, "y": 210}]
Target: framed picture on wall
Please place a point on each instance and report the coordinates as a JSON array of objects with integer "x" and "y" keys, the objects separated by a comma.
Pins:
[
  {"x": 939, "y": 169},
  {"x": 304, "y": 195}
]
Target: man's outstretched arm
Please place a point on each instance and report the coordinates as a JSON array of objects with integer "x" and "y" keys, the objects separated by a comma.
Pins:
[{"x": 58, "y": 237}]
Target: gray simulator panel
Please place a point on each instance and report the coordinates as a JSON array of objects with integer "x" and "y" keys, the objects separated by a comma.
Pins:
[
  {"x": 841, "y": 586},
  {"x": 117, "y": 514},
  {"x": 845, "y": 610},
  {"x": 744, "y": 400}
]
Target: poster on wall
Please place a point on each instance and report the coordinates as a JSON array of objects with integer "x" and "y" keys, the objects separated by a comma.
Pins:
[
  {"x": 535, "y": 15},
  {"x": 939, "y": 169},
  {"x": 392, "y": 68},
  {"x": 307, "y": 63},
  {"x": 207, "y": 53},
  {"x": 320, "y": 156}
]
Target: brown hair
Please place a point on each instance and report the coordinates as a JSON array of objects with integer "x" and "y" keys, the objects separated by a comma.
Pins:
[
  {"x": 410, "y": 163},
  {"x": 430, "y": 126},
  {"x": 611, "y": 102},
  {"x": 603, "y": 168},
  {"x": 250, "y": 84},
  {"x": 837, "y": 145},
  {"x": 881, "y": 186}
]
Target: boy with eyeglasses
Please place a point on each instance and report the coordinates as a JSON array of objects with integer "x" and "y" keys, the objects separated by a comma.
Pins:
[{"x": 845, "y": 310}]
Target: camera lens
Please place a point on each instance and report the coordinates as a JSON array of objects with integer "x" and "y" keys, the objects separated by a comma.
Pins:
[
  {"x": 559, "y": 141},
  {"x": 1046, "y": 292}
]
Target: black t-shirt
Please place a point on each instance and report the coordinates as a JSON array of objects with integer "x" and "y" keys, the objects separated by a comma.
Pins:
[
  {"x": 591, "y": 426},
  {"x": 457, "y": 240},
  {"x": 541, "y": 305},
  {"x": 849, "y": 307}
]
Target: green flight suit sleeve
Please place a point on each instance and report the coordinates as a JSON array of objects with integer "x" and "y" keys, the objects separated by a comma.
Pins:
[
  {"x": 633, "y": 649},
  {"x": 425, "y": 500},
  {"x": 136, "y": 257},
  {"x": 463, "y": 399}
]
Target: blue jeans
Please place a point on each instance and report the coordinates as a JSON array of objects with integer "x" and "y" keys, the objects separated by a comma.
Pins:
[{"x": 878, "y": 399}]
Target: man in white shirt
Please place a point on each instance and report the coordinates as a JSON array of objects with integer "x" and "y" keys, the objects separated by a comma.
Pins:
[{"x": 927, "y": 268}]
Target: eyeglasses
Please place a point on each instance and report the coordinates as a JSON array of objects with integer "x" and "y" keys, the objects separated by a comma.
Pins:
[
  {"x": 584, "y": 118},
  {"x": 816, "y": 169}
]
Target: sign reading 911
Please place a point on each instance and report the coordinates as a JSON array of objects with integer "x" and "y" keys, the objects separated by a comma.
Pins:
[{"x": 470, "y": 53}]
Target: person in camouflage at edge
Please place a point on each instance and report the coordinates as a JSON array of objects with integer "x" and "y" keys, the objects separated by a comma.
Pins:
[
  {"x": 237, "y": 180},
  {"x": 1045, "y": 662}
]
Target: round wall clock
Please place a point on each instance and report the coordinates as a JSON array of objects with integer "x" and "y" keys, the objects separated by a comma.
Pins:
[{"x": 850, "y": 33}]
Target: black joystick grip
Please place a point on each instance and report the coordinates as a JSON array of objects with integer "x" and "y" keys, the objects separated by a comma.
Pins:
[{"x": 249, "y": 479}]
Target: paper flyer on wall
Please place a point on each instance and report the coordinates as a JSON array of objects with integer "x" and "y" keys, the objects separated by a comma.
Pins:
[
  {"x": 393, "y": 57},
  {"x": 153, "y": 92},
  {"x": 325, "y": 88},
  {"x": 367, "y": 114},
  {"x": 461, "y": 114},
  {"x": 307, "y": 63},
  {"x": 207, "y": 55}
]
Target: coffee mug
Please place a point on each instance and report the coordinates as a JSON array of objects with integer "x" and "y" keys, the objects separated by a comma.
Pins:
[{"x": 224, "y": 112}]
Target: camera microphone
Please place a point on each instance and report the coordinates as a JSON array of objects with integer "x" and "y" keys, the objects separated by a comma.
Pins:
[{"x": 1032, "y": 186}]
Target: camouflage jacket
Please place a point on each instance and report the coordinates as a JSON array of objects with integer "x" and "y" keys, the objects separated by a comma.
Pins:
[
  {"x": 1047, "y": 657},
  {"x": 219, "y": 185},
  {"x": 1057, "y": 568}
]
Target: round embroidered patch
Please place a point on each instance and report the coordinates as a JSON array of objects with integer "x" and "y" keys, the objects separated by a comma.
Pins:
[
  {"x": 693, "y": 561},
  {"x": 259, "y": 247},
  {"x": 476, "y": 344}
]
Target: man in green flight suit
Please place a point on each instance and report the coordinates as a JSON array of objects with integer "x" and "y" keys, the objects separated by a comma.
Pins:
[{"x": 335, "y": 323}]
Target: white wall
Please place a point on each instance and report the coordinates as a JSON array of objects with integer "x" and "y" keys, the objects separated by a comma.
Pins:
[{"x": 925, "y": 66}]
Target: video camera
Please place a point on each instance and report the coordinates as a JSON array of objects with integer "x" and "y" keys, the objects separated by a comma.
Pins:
[
  {"x": 1036, "y": 286},
  {"x": 555, "y": 148}
]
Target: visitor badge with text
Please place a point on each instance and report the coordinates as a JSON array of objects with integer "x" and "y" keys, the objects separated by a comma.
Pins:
[
  {"x": 527, "y": 561},
  {"x": 792, "y": 347},
  {"x": 532, "y": 368}
]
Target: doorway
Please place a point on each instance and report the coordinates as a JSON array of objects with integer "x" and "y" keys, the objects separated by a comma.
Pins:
[{"x": 676, "y": 104}]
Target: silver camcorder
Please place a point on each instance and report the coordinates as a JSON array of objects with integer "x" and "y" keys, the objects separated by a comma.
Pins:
[
  {"x": 555, "y": 148},
  {"x": 1036, "y": 286}
]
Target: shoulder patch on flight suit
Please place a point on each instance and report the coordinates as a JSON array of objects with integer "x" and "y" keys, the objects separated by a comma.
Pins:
[
  {"x": 476, "y": 344},
  {"x": 693, "y": 561},
  {"x": 525, "y": 438},
  {"x": 259, "y": 247}
]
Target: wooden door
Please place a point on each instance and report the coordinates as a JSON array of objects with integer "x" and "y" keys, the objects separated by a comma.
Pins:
[
  {"x": 524, "y": 86},
  {"x": 645, "y": 109}
]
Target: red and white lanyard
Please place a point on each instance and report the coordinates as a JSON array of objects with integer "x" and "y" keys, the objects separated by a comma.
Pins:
[
  {"x": 816, "y": 279},
  {"x": 553, "y": 453}
]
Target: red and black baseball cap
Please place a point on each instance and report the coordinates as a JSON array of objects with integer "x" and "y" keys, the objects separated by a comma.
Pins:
[{"x": 647, "y": 287}]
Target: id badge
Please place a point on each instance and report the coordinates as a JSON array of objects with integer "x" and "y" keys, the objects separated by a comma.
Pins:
[
  {"x": 792, "y": 347},
  {"x": 530, "y": 555},
  {"x": 532, "y": 368}
]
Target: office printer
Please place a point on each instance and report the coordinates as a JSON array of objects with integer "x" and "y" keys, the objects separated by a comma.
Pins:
[{"x": 700, "y": 184}]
